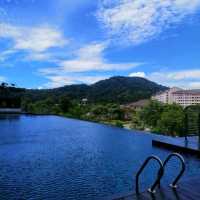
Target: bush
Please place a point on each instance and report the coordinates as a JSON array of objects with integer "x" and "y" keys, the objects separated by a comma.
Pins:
[{"x": 119, "y": 124}]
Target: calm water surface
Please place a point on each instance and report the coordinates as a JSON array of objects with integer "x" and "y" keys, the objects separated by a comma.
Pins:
[{"x": 50, "y": 157}]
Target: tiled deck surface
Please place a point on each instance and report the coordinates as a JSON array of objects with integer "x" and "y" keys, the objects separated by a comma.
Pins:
[
  {"x": 189, "y": 190},
  {"x": 191, "y": 146}
]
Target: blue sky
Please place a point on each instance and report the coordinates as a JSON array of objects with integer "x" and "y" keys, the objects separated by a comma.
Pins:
[{"x": 48, "y": 43}]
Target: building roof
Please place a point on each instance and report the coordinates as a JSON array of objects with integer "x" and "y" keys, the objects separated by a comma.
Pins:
[
  {"x": 139, "y": 103},
  {"x": 194, "y": 92}
]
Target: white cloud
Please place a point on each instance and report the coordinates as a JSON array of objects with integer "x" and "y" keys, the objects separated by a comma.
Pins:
[
  {"x": 137, "y": 21},
  {"x": 183, "y": 78},
  {"x": 5, "y": 54},
  {"x": 36, "y": 39},
  {"x": 89, "y": 58},
  {"x": 58, "y": 81},
  {"x": 194, "y": 85},
  {"x": 86, "y": 59},
  {"x": 138, "y": 74},
  {"x": 39, "y": 56},
  {"x": 185, "y": 74},
  {"x": 2, "y": 79}
]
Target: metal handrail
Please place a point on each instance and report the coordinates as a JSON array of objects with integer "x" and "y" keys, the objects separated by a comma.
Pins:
[
  {"x": 173, "y": 184},
  {"x": 159, "y": 175}
]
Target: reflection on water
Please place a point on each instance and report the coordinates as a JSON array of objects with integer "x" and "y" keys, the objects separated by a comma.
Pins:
[
  {"x": 9, "y": 117},
  {"x": 49, "y": 157}
]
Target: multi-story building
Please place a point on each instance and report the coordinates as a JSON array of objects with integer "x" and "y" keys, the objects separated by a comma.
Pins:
[
  {"x": 187, "y": 97},
  {"x": 177, "y": 95},
  {"x": 166, "y": 96}
]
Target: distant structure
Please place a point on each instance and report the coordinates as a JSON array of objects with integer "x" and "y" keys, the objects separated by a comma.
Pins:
[
  {"x": 187, "y": 97},
  {"x": 134, "y": 106},
  {"x": 84, "y": 101},
  {"x": 10, "y": 110},
  {"x": 138, "y": 105},
  {"x": 177, "y": 95},
  {"x": 166, "y": 96}
]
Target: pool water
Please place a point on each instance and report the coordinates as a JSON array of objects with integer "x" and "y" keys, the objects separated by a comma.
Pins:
[{"x": 51, "y": 157}]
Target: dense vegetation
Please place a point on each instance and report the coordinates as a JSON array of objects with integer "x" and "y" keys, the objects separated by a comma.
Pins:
[
  {"x": 162, "y": 118},
  {"x": 10, "y": 96},
  {"x": 155, "y": 117},
  {"x": 107, "y": 113}
]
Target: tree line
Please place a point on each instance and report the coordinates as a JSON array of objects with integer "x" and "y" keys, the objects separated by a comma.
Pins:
[
  {"x": 10, "y": 96},
  {"x": 155, "y": 117},
  {"x": 167, "y": 119}
]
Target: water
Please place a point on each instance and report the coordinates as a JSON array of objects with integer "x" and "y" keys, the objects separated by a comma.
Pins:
[{"x": 50, "y": 157}]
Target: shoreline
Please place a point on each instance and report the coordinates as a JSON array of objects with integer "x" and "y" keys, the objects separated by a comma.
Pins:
[
  {"x": 93, "y": 121},
  {"x": 70, "y": 117}
]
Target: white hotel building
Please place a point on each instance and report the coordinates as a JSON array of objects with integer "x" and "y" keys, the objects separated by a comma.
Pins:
[{"x": 177, "y": 95}]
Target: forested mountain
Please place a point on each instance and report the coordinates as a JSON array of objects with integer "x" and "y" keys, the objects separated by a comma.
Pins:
[
  {"x": 123, "y": 89},
  {"x": 116, "y": 89}
]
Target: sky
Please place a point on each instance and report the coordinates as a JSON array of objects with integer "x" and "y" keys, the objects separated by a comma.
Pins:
[{"x": 51, "y": 43}]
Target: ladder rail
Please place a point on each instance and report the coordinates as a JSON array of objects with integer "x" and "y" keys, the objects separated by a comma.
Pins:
[
  {"x": 159, "y": 175},
  {"x": 177, "y": 155}
]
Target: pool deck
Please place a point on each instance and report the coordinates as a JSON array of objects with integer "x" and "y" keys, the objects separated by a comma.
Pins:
[
  {"x": 191, "y": 146},
  {"x": 188, "y": 190}
]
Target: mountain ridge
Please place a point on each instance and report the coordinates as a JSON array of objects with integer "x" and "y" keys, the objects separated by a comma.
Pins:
[{"x": 119, "y": 89}]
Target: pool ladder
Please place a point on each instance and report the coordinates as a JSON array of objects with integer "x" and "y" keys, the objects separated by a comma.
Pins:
[{"x": 161, "y": 172}]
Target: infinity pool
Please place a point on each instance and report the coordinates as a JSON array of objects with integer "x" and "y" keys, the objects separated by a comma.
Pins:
[{"x": 50, "y": 157}]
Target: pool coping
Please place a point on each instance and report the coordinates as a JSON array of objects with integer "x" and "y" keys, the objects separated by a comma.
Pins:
[{"x": 176, "y": 146}]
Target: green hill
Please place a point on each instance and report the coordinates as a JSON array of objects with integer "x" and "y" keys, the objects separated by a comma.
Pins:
[
  {"x": 123, "y": 89},
  {"x": 116, "y": 89}
]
